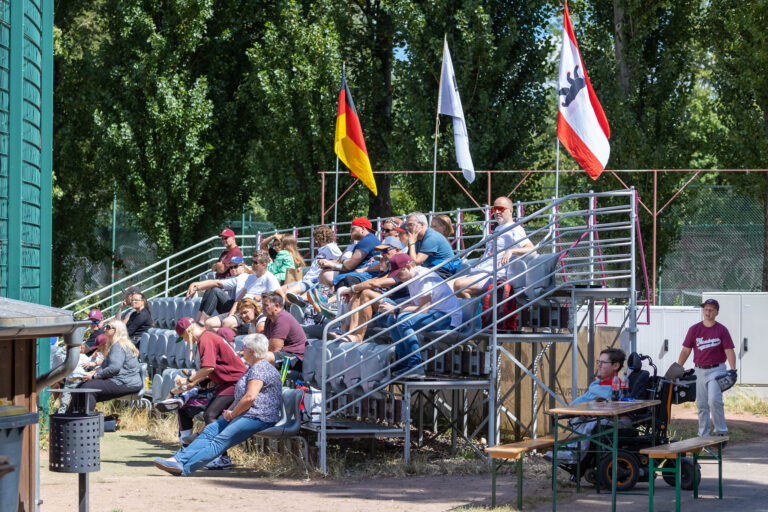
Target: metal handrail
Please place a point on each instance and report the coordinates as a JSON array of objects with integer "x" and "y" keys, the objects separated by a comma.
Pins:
[{"x": 353, "y": 391}]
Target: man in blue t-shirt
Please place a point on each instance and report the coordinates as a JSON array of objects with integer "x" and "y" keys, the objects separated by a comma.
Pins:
[
  {"x": 365, "y": 248},
  {"x": 427, "y": 247}
]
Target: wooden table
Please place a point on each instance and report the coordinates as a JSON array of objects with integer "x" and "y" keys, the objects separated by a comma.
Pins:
[{"x": 610, "y": 410}]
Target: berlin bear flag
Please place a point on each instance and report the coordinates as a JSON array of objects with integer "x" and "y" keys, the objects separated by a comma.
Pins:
[{"x": 581, "y": 123}]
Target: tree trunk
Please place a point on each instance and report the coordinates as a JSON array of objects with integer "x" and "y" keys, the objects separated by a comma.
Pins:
[
  {"x": 622, "y": 36},
  {"x": 383, "y": 49}
]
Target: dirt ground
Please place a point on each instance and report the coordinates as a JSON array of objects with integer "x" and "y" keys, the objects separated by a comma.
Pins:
[{"x": 128, "y": 481}]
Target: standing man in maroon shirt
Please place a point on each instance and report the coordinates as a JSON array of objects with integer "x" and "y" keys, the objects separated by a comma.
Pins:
[
  {"x": 221, "y": 267},
  {"x": 712, "y": 345}
]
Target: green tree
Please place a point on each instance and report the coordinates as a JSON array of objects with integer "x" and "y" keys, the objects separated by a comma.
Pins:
[{"x": 737, "y": 33}]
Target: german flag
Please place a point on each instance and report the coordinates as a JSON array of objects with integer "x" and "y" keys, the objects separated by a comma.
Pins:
[{"x": 349, "y": 144}]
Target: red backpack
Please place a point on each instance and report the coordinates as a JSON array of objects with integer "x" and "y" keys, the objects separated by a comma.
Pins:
[{"x": 503, "y": 292}]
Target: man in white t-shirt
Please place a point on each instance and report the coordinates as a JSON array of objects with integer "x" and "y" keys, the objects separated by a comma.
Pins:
[
  {"x": 510, "y": 243},
  {"x": 261, "y": 282},
  {"x": 219, "y": 294},
  {"x": 432, "y": 304}
]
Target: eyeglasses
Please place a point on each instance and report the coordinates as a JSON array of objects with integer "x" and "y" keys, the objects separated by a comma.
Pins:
[
  {"x": 388, "y": 250},
  {"x": 137, "y": 300},
  {"x": 498, "y": 209},
  {"x": 600, "y": 361},
  {"x": 108, "y": 327}
]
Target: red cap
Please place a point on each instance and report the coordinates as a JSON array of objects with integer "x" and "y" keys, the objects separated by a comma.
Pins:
[
  {"x": 226, "y": 333},
  {"x": 363, "y": 222},
  {"x": 182, "y": 325},
  {"x": 397, "y": 262},
  {"x": 95, "y": 315},
  {"x": 227, "y": 233},
  {"x": 101, "y": 340}
]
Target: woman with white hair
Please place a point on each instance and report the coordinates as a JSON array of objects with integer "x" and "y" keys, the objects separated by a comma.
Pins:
[
  {"x": 258, "y": 398},
  {"x": 119, "y": 374}
]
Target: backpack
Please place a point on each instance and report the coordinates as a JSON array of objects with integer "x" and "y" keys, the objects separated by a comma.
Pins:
[{"x": 503, "y": 292}]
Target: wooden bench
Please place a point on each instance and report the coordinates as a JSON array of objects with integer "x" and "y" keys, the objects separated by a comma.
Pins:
[
  {"x": 514, "y": 451},
  {"x": 675, "y": 451}
]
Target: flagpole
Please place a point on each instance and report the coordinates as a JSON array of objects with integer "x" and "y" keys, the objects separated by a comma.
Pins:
[
  {"x": 437, "y": 126},
  {"x": 557, "y": 169},
  {"x": 336, "y": 195}
]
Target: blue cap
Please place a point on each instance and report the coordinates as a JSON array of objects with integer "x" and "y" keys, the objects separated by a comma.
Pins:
[
  {"x": 236, "y": 260},
  {"x": 391, "y": 241}
]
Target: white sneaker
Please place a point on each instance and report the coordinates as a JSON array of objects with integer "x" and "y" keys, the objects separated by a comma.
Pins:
[{"x": 219, "y": 463}]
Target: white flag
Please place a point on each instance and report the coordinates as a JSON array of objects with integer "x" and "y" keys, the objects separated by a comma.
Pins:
[{"x": 450, "y": 104}]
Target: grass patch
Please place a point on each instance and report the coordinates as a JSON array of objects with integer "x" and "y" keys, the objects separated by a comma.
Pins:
[{"x": 739, "y": 401}]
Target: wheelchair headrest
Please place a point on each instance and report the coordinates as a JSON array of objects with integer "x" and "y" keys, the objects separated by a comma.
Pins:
[{"x": 634, "y": 362}]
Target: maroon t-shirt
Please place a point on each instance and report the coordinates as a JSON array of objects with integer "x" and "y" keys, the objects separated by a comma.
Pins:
[
  {"x": 225, "y": 257},
  {"x": 287, "y": 328},
  {"x": 227, "y": 366},
  {"x": 708, "y": 343}
]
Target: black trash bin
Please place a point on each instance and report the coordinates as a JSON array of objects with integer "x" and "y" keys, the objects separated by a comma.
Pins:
[{"x": 74, "y": 441}]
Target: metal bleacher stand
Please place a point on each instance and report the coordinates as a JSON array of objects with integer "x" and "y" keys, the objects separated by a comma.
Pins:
[{"x": 585, "y": 254}]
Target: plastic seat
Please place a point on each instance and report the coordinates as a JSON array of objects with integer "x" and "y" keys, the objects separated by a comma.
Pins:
[
  {"x": 311, "y": 371},
  {"x": 289, "y": 424},
  {"x": 239, "y": 340},
  {"x": 375, "y": 367},
  {"x": 540, "y": 277},
  {"x": 297, "y": 313},
  {"x": 157, "y": 388},
  {"x": 170, "y": 313},
  {"x": 152, "y": 348},
  {"x": 143, "y": 347}
]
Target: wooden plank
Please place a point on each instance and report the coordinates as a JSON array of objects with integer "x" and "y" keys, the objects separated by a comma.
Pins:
[
  {"x": 603, "y": 408},
  {"x": 6, "y": 376},
  {"x": 692, "y": 445}
]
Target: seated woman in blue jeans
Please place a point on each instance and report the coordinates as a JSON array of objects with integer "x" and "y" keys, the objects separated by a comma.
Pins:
[{"x": 258, "y": 398}]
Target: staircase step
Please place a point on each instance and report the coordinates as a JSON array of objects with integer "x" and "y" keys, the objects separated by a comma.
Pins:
[{"x": 355, "y": 428}]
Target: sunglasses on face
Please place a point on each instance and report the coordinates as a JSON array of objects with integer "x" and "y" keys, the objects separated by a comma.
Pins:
[
  {"x": 498, "y": 209},
  {"x": 388, "y": 250},
  {"x": 387, "y": 230},
  {"x": 108, "y": 327}
]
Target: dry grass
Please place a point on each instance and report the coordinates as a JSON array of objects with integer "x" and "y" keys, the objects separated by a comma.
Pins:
[{"x": 738, "y": 400}]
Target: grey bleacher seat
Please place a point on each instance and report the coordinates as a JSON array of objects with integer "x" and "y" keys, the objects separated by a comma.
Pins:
[
  {"x": 376, "y": 359},
  {"x": 170, "y": 313},
  {"x": 160, "y": 359},
  {"x": 289, "y": 424},
  {"x": 239, "y": 340},
  {"x": 339, "y": 364},
  {"x": 297, "y": 313},
  {"x": 207, "y": 275},
  {"x": 169, "y": 380},
  {"x": 540, "y": 277},
  {"x": 165, "y": 306},
  {"x": 310, "y": 373},
  {"x": 183, "y": 355},
  {"x": 152, "y": 348},
  {"x": 143, "y": 347},
  {"x": 516, "y": 274},
  {"x": 170, "y": 349},
  {"x": 157, "y": 388}
]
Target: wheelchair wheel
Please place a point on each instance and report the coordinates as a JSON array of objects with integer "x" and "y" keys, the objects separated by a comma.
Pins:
[
  {"x": 686, "y": 473},
  {"x": 627, "y": 471}
]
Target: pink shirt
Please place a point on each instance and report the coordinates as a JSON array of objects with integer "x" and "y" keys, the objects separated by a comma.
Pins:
[{"x": 708, "y": 343}]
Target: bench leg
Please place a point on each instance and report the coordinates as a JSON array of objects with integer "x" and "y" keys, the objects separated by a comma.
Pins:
[
  {"x": 651, "y": 479},
  {"x": 493, "y": 484},
  {"x": 719, "y": 471},
  {"x": 677, "y": 482},
  {"x": 520, "y": 481},
  {"x": 695, "y": 480}
]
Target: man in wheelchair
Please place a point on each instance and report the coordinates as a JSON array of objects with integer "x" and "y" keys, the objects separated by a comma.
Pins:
[{"x": 636, "y": 431}]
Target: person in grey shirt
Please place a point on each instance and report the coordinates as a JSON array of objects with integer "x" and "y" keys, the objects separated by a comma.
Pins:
[{"x": 119, "y": 374}]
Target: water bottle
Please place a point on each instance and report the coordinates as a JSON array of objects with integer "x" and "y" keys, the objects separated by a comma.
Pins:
[
  {"x": 624, "y": 387},
  {"x": 615, "y": 387}
]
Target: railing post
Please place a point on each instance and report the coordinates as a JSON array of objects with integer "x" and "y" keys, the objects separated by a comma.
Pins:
[
  {"x": 312, "y": 241},
  {"x": 493, "y": 405},
  {"x": 459, "y": 234},
  {"x": 591, "y": 227},
  {"x": 167, "y": 274},
  {"x": 632, "y": 280},
  {"x": 323, "y": 437}
]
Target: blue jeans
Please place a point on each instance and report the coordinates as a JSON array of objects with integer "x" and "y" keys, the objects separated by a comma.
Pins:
[
  {"x": 405, "y": 331},
  {"x": 215, "y": 439}
]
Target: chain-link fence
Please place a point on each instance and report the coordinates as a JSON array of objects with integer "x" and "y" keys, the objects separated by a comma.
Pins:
[{"x": 720, "y": 247}]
